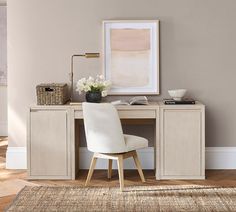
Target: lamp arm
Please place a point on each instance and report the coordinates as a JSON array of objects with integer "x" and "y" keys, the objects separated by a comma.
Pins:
[{"x": 71, "y": 75}]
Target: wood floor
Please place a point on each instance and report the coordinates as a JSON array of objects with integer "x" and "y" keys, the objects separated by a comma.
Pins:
[{"x": 214, "y": 177}]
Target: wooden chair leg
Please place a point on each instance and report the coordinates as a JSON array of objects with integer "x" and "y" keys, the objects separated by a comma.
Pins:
[
  {"x": 121, "y": 171},
  {"x": 138, "y": 165},
  {"x": 90, "y": 173},
  {"x": 109, "y": 168}
]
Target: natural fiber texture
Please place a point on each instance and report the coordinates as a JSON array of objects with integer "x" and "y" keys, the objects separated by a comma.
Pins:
[
  {"x": 52, "y": 94},
  {"x": 147, "y": 198}
]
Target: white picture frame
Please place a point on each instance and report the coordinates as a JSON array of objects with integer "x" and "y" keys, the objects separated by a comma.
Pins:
[{"x": 131, "y": 56}]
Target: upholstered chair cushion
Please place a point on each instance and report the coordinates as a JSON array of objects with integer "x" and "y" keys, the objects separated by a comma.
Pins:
[
  {"x": 103, "y": 128},
  {"x": 104, "y": 132},
  {"x": 135, "y": 142}
]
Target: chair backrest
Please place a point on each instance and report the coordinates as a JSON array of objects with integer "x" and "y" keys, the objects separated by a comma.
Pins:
[{"x": 103, "y": 128}]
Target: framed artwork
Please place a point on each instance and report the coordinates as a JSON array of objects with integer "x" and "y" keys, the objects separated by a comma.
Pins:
[{"x": 131, "y": 56}]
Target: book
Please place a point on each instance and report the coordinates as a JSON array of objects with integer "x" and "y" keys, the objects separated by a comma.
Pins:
[
  {"x": 181, "y": 102},
  {"x": 137, "y": 100}
]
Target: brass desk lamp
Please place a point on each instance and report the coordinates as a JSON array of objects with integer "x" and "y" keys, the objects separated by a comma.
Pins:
[{"x": 86, "y": 55}]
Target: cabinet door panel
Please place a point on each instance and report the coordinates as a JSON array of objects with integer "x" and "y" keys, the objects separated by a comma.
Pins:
[
  {"x": 182, "y": 142},
  {"x": 48, "y": 143}
]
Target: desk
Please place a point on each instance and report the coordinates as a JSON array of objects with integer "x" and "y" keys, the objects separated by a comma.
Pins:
[{"x": 53, "y": 145}]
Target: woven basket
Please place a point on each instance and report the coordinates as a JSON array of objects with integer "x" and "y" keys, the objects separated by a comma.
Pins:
[{"x": 52, "y": 94}]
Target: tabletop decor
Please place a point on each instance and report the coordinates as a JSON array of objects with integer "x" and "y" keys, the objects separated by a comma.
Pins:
[
  {"x": 131, "y": 56},
  {"x": 95, "y": 88},
  {"x": 177, "y": 94},
  {"x": 52, "y": 93}
]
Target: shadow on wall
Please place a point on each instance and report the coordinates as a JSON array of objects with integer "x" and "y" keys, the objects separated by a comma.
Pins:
[{"x": 18, "y": 124}]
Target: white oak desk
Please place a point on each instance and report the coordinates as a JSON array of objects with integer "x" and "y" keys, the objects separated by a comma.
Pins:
[{"x": 53, "y": 146}]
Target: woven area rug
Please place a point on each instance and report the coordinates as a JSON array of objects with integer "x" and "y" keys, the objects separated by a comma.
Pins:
[{"x": 145, "y": 198}]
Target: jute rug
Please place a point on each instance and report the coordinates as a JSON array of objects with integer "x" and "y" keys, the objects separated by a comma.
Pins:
[{"x": 146, "y": 198}]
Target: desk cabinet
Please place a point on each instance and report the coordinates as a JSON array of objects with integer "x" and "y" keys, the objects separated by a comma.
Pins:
[
  {"x": 179, "y": 150},
  {"x": 49, "y": 150},
  {"x": 182, "y": 142}
]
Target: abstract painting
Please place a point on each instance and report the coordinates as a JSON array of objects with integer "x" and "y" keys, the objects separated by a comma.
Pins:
[{"x": 131, "y": 56}]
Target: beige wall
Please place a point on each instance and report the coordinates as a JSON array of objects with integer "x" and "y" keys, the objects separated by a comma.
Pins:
[
  {"x": 3, "y": 88},
  {"x": 3, "y": 2},
  {"x": 197, "y": 40},
  {"x": 3, "y": 110}
]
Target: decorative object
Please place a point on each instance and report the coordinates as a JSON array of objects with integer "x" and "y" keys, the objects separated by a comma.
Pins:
[
  {"x": 52, "y": 94},
  {"x": 131, "y": 56},
  {"x": 86, "y": 55},
  {"x": 95, "y": 89},
  {"x": 95, "y": 97},
  {"x": 177, "y": 94},
  {"x": 3, "y": 45},
  {"x": 140, "y": 198}
]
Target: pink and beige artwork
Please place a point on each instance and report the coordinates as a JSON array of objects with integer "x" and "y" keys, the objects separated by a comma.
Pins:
[{"x": 130, "y": 57}]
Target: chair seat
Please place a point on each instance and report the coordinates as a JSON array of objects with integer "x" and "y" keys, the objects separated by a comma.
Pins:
[{"x": 135, "y": 142}]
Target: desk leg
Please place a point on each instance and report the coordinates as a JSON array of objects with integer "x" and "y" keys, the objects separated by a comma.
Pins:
[
  {"x": 74, "y": 139},
  {"x": 71, "y": 127},
  {"x": 77, "y": 141}
]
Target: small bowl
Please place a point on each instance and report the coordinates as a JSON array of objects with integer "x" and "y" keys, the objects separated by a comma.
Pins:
[{"x": 177, "y": 94}]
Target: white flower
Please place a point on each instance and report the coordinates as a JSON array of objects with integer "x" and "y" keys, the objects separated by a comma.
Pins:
[
  {"x": 91, "y": 84},
  {"x": 79, "y": 86},
  {"x": 81, "y": 81},
  {"x": 104, "y": 93},
  {"x": 95, "y": 84},
  {"x": 87, "y": 88},
  {"x": 101, "y": 77},
  {"x": 91, "y": 79}
]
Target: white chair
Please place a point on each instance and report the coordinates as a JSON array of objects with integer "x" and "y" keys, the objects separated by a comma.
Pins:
[{"x": 105, "y": 138}]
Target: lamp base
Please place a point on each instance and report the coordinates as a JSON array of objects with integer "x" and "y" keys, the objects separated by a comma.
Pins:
[{"x": 75, "y": 103}]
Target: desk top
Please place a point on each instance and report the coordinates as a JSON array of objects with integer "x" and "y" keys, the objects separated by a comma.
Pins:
[{"x": 150, "y": 106}]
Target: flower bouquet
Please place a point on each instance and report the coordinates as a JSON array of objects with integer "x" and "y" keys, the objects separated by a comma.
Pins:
[{"x": 94, "y": 88}]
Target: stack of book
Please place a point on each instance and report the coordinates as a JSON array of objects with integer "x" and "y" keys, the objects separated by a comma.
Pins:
[{"x": 180, "y": 102}]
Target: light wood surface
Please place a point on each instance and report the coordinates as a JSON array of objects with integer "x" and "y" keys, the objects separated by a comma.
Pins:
[
  {"x": 121, "y": 172},
  {"x": 179, "y": 131},
  {"x": 109, "y": 173},
  {"x": 91, "y": 169},
  {"x": 182, "y": 142},
  {"x": 48, "y": 149},
  {"x": 138, "y": 165}
]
